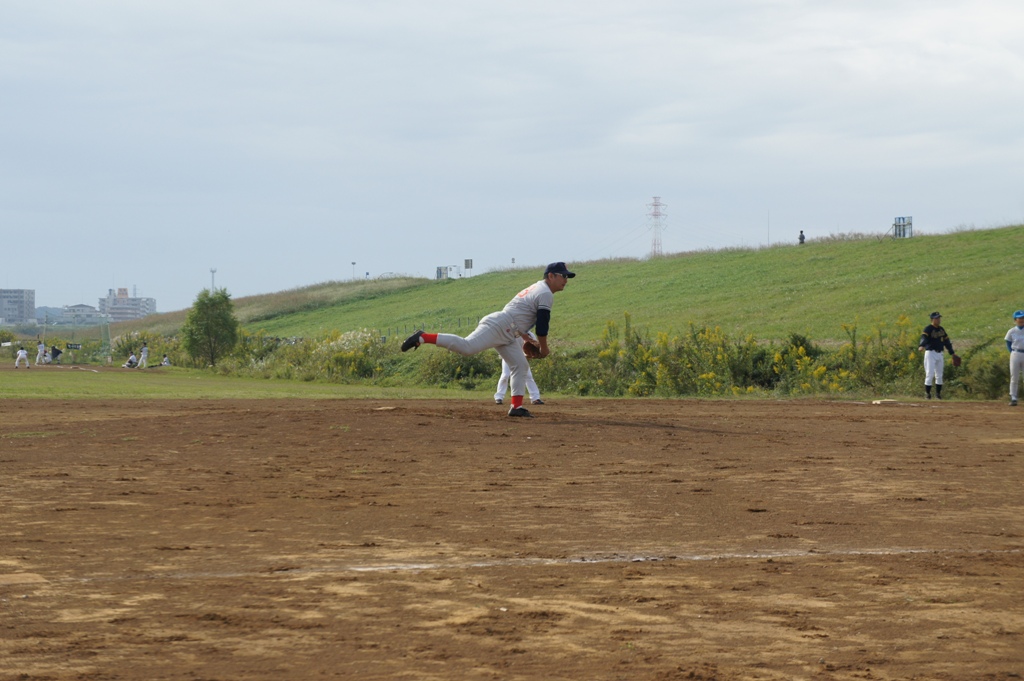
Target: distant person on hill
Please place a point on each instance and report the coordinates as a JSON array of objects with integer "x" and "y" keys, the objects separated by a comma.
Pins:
[
  {"x": 22, "y": 355},
  {"x": 166, "y": 362},
  {"x": 505, "y": 330},
  {"x": 506, "y": 372},
  {"x": 144, "y": 357},
  {"x": 40, "y": 353},
  {"x": 933, "y": 340},
  {"x": 802, "y": 237},
  {"x": 1015, "y": 344}
]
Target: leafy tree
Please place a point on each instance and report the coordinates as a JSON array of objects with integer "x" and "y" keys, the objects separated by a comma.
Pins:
[{"x": 211, "y": 329}]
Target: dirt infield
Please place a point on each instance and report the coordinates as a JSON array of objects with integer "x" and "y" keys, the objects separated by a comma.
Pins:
[{"x": 656, "y": 540}]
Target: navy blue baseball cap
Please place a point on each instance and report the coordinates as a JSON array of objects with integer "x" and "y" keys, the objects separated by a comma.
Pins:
[
  {"x": 1018, "y": 314},
  {"x": 559, "y": 268},
  {"x": 936, "y": 315}
]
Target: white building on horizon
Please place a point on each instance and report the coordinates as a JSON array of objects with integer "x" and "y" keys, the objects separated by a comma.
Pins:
[
  {"x": 17, "y": 306},
  {"x": 120, "y": 307},
  {"x": 83, "y": 315}
]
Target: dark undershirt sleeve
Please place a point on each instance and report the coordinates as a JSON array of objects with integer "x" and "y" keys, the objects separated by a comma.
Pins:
[{"x": 543, "y": 322}]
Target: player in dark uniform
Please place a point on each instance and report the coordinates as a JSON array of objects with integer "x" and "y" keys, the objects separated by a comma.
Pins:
[{"x": 933, "y": 339}]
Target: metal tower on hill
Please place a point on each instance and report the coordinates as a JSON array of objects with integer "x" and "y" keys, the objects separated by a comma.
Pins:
[{"x": 655, "y": 216}]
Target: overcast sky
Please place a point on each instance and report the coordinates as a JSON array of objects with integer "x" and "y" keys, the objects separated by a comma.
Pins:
[{"x": 144, "y": 143}]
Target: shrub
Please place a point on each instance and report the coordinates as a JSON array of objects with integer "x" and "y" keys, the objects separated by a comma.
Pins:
[
  {"x": 985, "y": 372},
  {"x": 444, "y": 368},
  {"x": 255, "y": 348},
  {"x": 800, "y": 373},
  {"x": 356, "y": 354},
  {"x": 625, "y": 364},
  {"x": 575, "y": 372},
  {"x": 699, "y": 363},
  {"x": 751, "y": 366},
  {"x": 884, "y": 360},
  {"x": 703, "y": 361},
  {"x": 337, "y": 357}
]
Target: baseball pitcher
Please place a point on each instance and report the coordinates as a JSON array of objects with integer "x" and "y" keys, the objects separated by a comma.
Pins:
[{"x": 503, "y": 330}]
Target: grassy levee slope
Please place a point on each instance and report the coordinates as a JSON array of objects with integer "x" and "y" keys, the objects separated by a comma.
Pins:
[
  {"x": 281, "y": 310},
  {"x": 814, "y": 289}
]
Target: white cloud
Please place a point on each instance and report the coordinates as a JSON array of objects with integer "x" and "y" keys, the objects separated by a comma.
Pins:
[{"x": 404, "y": 134}]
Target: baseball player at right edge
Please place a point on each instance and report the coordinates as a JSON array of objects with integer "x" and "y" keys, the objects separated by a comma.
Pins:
[
  {"x": 502, "y": 330},
  {"x": 1015, "y": 344}
]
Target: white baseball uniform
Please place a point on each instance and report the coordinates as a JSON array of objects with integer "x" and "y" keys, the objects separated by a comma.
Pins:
[
  {"x": 22, "y": 355},
  {"x": 506, "y": 372},
  {"x": 501, "y": 331},
  {"x": 41, "y": 354},
  {"x": 933, "y": 340},
  {"x": 144, "y": 357},
  {"x": 1015, "y": 336},
  {"x": 934, "y": 362}
]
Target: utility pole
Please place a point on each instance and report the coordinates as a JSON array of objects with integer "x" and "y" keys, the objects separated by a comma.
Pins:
[{"x": 213, "y": 271}]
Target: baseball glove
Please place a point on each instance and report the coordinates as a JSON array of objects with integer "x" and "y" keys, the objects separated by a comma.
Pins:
[
  {"x": 956, "y": 360},
  {"x": 531, "y": 351}
]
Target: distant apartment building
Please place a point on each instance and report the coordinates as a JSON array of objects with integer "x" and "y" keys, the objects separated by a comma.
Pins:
[
  {"x": 17, "y": 306},
  {"x": 121, "y": 307},
  {"x": 82, "y": 315}
]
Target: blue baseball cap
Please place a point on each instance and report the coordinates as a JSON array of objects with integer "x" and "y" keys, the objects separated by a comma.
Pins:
[
  {"x": 559, "y": 268},
  {"x": 1019, "y": 314},
  {"x": 936, "y": 315}
]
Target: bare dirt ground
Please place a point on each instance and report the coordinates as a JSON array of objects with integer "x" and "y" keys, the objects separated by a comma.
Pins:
[{"x": 656, "y": 540}]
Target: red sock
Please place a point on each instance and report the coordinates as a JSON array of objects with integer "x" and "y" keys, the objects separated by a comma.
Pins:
[
  {"x": 429, "y": 338},
  {"x": 517, "y": 401}
]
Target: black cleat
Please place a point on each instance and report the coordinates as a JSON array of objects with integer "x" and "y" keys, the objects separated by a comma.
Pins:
[
  {"x": 520, "y": 411},
  {"x": 537, "y": 401},
  {"x": 1013, "y": 401},
  {"x": 412, "y": 342},
  {"x": 497, "y": 401}
]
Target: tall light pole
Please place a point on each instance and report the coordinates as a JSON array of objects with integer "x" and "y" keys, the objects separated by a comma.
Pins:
[
  {"x": 213, "y": 271},
  {"x": 353, "y": 269}
]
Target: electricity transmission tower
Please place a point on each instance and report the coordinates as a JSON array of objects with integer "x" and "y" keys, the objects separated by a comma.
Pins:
[{"x": 655, "y": 217}]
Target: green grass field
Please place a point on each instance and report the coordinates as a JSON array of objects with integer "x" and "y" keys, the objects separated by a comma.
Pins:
[
  {"x": 70, "y": 383},
  {"x": 770, "y": 292}
]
